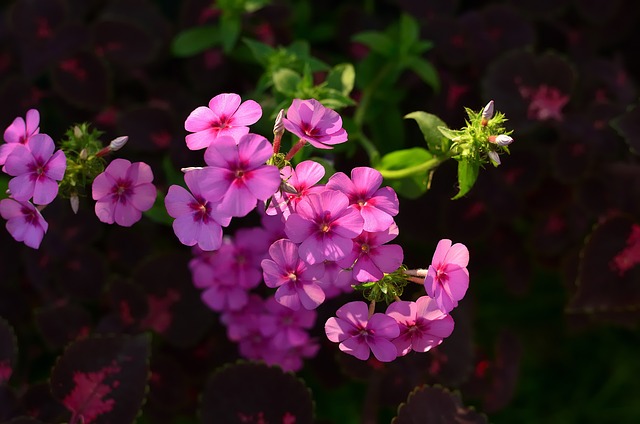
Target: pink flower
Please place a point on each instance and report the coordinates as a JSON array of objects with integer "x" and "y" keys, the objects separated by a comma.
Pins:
[
  {"x": 225, "y": 116},
  {"x": 286, "y": 328},
  {"x": 303, "y": 180},
  {"x": 372, "y": 257},
  {"x": 377, "y": 205},
  {"x": 320, "y": 126},
  {"x": 325, "y": 226},
  {"x": 36, "y": 169},
  {"x": 238, "y": 176},
  {"x": 24, "y": 222},
  {"x": 19, "y": 132},
  {"x": 358, "y": 334},
  {"x": 447, "y": 279},
  {"x": 123, "y": 191},
  {"x": 296, "y": 281},
  {"x": 422, "y": 324},
  {"x": 198, "y": 221}
]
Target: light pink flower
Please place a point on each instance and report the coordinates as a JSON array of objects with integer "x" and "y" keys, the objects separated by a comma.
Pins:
[
  {"x": 238, "y": 176},
  {"x": 123, "y": 191},
  {"x": 422, "y": 324},
  {"x": 358, "y": 334},
  {"x": 325, "y": 226},
  {"x": 19, "y": 132},
  {"x": 303, "y": 180},
  {"x": 296, "y": 281},
  {"x": 311, "y": 121},
  {"x": 198, "y": 221},
  {"x": 37, "y": 170},
  {"x": 447, "y": 279},
  {"x": 24, "y": 222},
  {"x": 225, "y": 116},
  {"x": 373, "y": 258},
  {"x": 377, "y": 205}
]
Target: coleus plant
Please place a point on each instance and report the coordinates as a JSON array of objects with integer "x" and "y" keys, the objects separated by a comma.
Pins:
[{"x": 315, "y": 242}]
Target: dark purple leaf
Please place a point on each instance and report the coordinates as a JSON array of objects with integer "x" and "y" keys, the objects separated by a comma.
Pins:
[
  {"x": 608, "y": 275},
  {"x": 628, "y": 126},
  {"x": 60, "y": 324},
  {"x": 504, "y": 372},
  {"x": 23, "y": 420},
  {"x": 103, "y": 379},
  {"x": 126, "y": 44},
  {"x": 149, "y": 129},
  {"x": 8, "y": 351},
  {"x": 128, "y": 303},
  {"x": 255, "y": 393},
  {"x": 82, "y": 80},
  {"x": 40, "y": 403},
  {"x": 175, "y": 309},
  {"x": 436, "y": 405},
  {"x": 9, "y": 407}
]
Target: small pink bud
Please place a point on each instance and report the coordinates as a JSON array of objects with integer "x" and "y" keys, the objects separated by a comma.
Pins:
[
  {"x": 278, "y": 127},
  {"x": 500, "y": 140},
  {"x": 495, "y": 158},
  {"x": 118, "y": 143},
  {"x": 75, "y": 203},
  {"x": 487, "y": 112}
]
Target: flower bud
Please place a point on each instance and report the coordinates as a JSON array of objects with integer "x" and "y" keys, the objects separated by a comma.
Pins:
[
  {"x": 75, "y": 203},
  {"x": 278, "y": 127},
  {"x": 118, "y": 143},
  {"x": 190, "y": 168},
  {"x": 83, "y": 154},
  {"x": 487, "y": 112},
  {"x": 77, "y": 132},
  {"x": 288, "y": 188},
  {"x": 495, "y": 158},
  {"x": 500, "y": 140}
]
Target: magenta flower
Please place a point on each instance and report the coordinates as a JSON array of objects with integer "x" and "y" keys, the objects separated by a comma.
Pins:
[
  {"x": 36, "y": 169},
  {"x": 422, "y": 324},
  {"x": 19, "y": 132},
  {"x": 303, "y": 180},
  {"x": 447, "y": 279},
  {"x": 198, "y": 221},
  {"x": 238, "y": 176},
  {"x": 320, "y": 126},
  {"x": 325, "y": 226},
  {"x": 377, "y": 205},
  {"x": 285, "y": 327},
  {"x": 24, "y": 222},
  {"x": 123, "y": 191},
  {"x": 225, "y": 116},
  {"x": 358, "y": 334},
  {"x": 372, "y": 257},
  {"x": 296, "y": 281}
]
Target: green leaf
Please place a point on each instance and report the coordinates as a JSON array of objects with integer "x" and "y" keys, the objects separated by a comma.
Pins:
[
  {"x": 415, "y": 185},
  {"x": 341, "y": 78},
  {"x": 425, "y": 70},
  {"x": 158, "y": 212},
  {"x": 429, "y": 125},
  {"x": 449, "y": 133},
  {"x": 260, "y": 51},
  {"x": 408, "y": 34},
  {"x": 334, "y": 99},
  {"x": 286, "y": 81},
  {"x": 229, "y": 31},
  {"x": 376, "y": 41},
  {"x": 172, "y": 176},
  {"x": 195, "y": 40},
  {"x": 467, "y": 175}
]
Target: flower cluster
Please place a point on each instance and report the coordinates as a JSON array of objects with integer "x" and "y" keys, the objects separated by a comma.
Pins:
[
  {"x": 316, "y": 240},
  {"x": 40, "y": 173},
  {"x": 29, "y": 157}
]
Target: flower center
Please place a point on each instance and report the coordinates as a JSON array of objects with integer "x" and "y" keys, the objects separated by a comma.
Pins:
[
  {"x": 324, "y": 227},
  {"x": 292, "y": 276},
  {"x": 239, "y": 173},
  {"x": 365, "y": 248}
]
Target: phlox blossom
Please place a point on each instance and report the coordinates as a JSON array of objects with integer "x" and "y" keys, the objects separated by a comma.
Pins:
[
  {"x": 24, "y": 222},
  {"x": 318, "y": 125},
  {"x": 447, "y": 278},
  {"x": 37, "y": 170},
  {"x": 359, "y": 334},
  {"x": 19, "y": 132},
  {"x": 225, "y": 116},
  {"x": 377, "y": 205},
  {"x": 197, "y": 220},
  {"x": 372, "y": 256},
  {"x": 303, "y": 180},
  {"x": 296, "y": 281},
  {"x": 423, "y": 324},
  {"x": 237, "y": 174},
  {"x": 286, "y": 328},
  {"x": 325, "y": 226},
  {"x": 123, "y": 191}
]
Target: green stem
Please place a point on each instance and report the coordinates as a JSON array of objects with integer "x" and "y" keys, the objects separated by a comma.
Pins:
[{"x": 397, "y": 174}]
